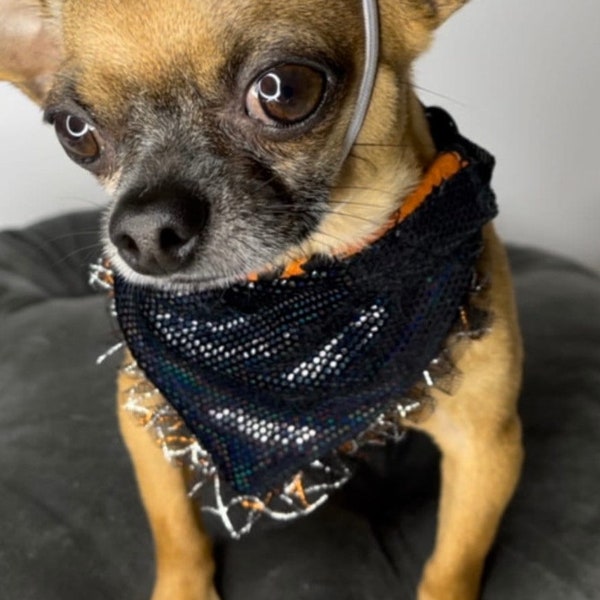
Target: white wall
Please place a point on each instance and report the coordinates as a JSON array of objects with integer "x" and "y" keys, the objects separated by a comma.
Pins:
[
  {"x": 522, "y": 78},
  {"x": 36, "y": 177}
]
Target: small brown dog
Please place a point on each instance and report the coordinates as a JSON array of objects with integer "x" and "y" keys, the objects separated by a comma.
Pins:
[{"x": 149, "y": 95}]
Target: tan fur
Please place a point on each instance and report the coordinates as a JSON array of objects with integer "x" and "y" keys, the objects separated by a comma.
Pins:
[
  {"x": 477, "y": 430},
  {"x": 30, "y": 49},
  {"x": 388, "y": 157},
  {"x": 184, "y": 565},
  {"x": 479, "y": 434}
]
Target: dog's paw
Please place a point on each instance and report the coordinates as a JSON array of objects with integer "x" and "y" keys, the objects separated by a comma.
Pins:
[
  {"x": 443, "y": 584},
  {"x": 445, "y": 593},
  {"x": 184, "y": 588}
]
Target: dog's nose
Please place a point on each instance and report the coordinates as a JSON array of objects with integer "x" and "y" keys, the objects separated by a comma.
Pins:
[{"x": 157, "y": 232}]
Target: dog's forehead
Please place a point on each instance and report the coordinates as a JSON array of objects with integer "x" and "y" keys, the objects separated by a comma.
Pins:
[{"x": 116, "y": 46}]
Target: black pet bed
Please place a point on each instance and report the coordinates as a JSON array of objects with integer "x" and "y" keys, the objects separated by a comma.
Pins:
[{"x": 72, "y": 526}]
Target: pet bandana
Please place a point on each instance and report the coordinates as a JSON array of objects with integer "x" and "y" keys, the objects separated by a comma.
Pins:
[{"x": 273, "y": 374}]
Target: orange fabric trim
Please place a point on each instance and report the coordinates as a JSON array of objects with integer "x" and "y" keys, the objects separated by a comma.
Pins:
[
  {"x": 445, "y": 166},
  {"x": 293, "y": 269}
]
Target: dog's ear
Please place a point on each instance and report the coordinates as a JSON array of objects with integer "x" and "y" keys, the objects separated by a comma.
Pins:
[
  {"x": 418, "y": 20},
  {"x": 444, "y": 8},
  {"x": 30, "y": 49}
]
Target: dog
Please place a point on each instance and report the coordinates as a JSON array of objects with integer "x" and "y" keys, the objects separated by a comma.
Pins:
[{"x": 150, "y": 95}]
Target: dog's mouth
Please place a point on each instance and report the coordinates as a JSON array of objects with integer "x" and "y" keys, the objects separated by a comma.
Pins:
[
  {"x": 184, "y": 283},
  {"x": 187, "y": 283}
]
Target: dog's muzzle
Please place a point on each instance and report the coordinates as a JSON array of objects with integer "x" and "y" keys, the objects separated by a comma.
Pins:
[{"x": 158, "y": 232}]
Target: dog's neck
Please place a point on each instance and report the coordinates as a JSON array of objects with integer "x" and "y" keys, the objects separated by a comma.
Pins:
[
  {"x": 375, "y": 181},
  {"x": 418, "y": 135},
  {"x": 443, "y": 167}
]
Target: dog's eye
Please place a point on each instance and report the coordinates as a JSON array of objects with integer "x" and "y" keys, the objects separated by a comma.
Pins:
[
  {"x": 286, "y": 94},
  {"x": 79, "y": 139}
]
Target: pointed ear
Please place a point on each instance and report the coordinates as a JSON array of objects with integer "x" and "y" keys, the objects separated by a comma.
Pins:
[
  {"x": 30, "y": 49},
  {"x": 444, "y": 8}
]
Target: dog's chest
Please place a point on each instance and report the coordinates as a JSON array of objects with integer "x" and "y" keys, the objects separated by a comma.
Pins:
[{"x": 273, "y": 381}]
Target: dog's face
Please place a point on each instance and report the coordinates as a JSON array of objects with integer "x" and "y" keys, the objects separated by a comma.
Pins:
[{"x": 217, "y": 126}]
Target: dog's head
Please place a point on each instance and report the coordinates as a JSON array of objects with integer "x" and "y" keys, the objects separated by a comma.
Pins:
[{"x": 218, "y": 125}]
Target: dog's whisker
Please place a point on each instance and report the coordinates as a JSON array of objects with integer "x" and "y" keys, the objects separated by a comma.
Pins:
[
  {"x": 264, "y": 184},
  {"x": 362, "y": 189},
  {"x": 355, "y": 156},
  {"x": 380, "y": 145},
  {"x": 84, "y": 249},
  {"x": 353, "y": 216},
  {"x": 439, "y": 95},
  {"x": 359, "y": 204},
  {"x": 85, "y": 202},
  {"x": 337, "y": 239},
  {"x": 75, "y": 234}
]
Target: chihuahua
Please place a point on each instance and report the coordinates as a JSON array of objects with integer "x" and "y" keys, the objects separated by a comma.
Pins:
[{"x": 176, "y": 108}]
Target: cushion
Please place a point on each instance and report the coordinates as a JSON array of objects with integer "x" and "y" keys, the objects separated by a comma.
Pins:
[{"x": 73, "y": 526}]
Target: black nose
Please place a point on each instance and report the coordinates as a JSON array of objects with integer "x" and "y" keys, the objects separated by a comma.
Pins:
[{"x": 158, "y": 231}]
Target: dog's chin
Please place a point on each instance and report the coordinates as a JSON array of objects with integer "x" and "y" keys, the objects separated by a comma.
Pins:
[{"x": 181, "y": 282}]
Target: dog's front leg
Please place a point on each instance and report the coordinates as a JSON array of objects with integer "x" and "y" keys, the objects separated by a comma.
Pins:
[
  {"x": 479, "y": 434},
  {"x": 183, "y": 551},
  {"x": 478, "y": 479}
]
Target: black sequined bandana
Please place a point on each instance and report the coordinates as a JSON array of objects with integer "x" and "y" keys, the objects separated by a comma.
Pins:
[{"x": 273, "y": 374}]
